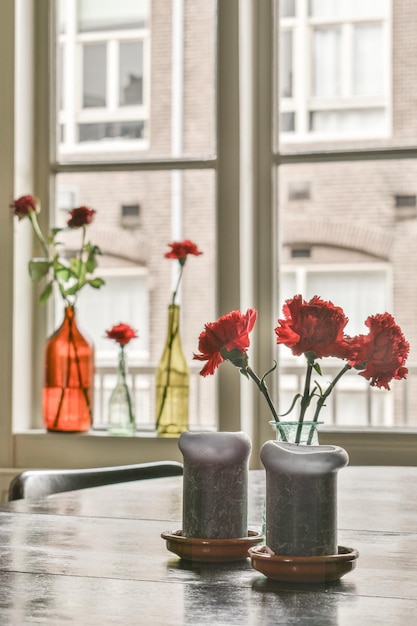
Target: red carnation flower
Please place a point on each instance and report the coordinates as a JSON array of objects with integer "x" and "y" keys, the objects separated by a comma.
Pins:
[
  {"x": 122, "y": 333},
  {"x": 82, "y": 216},
  {"x": 314, "y": 327},
  {"x": 180, "y": 250},
  {"x": 228, "y": 338},
  {"x": 25, "y": 205},
  {"x": 383, "y": 352}
]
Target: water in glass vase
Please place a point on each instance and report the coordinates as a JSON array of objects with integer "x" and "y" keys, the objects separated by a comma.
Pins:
[
  {"x": 172, "y": 382},
  {"x": 121, "y": 409}
]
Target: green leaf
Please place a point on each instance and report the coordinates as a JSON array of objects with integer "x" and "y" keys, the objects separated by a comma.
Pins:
[
  {"x": 91, "y": 264},
  {"x": 96, "y": 282},
  {"x": 317, "y": 368},
  {"x": 71, "y": 291},
  {"x": 46, "y": 293},
  {"x": 38, "y": 268},
  {"x": 76, "y": 266},
  {"x": 63, "y": 273},
  {"x": 298, "y": 395}
]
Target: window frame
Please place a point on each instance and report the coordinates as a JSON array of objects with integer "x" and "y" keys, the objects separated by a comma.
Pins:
[
  {"x": 303, "y": 102},
  {"x": 73, "y": 113},
  {"x": 246, "y": 191}
]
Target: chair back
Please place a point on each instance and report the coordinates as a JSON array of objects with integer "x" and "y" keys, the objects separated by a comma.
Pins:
[{"x": 39, "y": 483}]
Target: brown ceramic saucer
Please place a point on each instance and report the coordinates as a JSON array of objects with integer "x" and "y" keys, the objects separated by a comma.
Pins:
[
  {"x": 211, "y": 550},
  {"x": 303, "y": 569}
]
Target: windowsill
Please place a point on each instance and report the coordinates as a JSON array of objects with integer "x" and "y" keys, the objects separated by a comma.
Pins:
[{"x": 37, "y": 448}]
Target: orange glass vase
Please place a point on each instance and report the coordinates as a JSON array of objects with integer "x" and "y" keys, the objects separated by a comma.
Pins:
[{"x": 69, "y": 378}]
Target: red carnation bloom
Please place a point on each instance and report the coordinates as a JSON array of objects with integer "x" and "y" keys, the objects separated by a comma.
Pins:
[
  {"x": 180, "y": 250},
  {"x": 383, "y": 352},
  {"x": 228, "y": 338},
  {"x": 25, "y": 205},
  {"x": 122, "y": 333},
  {"x": 82, "y": 216},
  {"x": 315, "y": 327}
]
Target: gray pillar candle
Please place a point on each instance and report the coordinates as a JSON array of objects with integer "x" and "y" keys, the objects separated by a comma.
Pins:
[
  {"x": 301, "y": 497},
  {"x": 215, "y": 484}
]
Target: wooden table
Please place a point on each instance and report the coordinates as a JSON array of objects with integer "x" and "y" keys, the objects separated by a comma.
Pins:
[{"x": 95, "y": 557}]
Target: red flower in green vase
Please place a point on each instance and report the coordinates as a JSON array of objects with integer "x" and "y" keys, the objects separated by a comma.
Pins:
[
  {"x": 180, "y": 251},
  {"x": 383, "y": 352}
]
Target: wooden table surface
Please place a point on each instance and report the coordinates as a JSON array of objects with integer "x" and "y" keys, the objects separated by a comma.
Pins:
[{"x": 95, "y": 557}]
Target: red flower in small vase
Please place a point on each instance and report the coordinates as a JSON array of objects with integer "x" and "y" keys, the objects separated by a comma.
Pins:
[
  {"x": 121, "y": 333},
  {"x": 23, "y": 206},
  {"x": 226, "y": 339},
  {"x": 383, "y": 352},
  {"x": 315, "y": 327},
  {"x": 81, "y": 216}
]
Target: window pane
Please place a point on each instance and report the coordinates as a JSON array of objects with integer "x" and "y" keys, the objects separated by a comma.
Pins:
[
  {"x": 286, "y": 8},
  {"x": 368, "y": 69},
  {"x": 286, "y": 63},
  {"x": 97, "y": 15},
  {"x": 94, "y": 75},
  {"x": 164, "y": 72},
  {"x": 131, "y": 73},
  {"x": 358, "y": 236},
  {"x": 348, "y": 8},
  {"x": 110, "y": 131},
  {"x": 326, "y": 62},
  {"x": 363, "y": 121},
  {"x": 139, "y": 280}
]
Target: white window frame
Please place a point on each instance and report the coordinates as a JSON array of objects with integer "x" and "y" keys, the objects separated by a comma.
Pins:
[
  {"x": 246, "y": 250},
  {"x": 73, "y": 113},
  {"x": 302, "y": 102}
]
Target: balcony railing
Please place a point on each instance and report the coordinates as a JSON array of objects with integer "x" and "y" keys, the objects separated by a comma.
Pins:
[{"x": 353, "y": 402}]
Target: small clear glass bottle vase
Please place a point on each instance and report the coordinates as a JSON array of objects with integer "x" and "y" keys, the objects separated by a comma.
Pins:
[
  {"x": 302, "y": 433},
  {"x": 121, "y": 407},
  {"x": 172, "y": 381}
]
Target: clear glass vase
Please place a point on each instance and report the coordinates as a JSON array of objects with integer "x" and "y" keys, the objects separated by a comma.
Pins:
[
  {"x": 121, "y": 407},
  {"x": 303, "y": 433},
  {"x": 67, "y": 400},
  {"x": 172, "y": 381}
]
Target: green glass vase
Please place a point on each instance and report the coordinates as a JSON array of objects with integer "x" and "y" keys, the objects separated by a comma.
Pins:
[{"x": 172, "y": 380}]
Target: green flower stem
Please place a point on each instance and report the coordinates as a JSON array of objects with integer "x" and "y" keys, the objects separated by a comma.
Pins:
[
  {"x": 39, "y": 235},
  {"x": 172, "y": 334},
  {"x": 264, "y": 390},
  {"x": 122, "y": 364},
  {"x": 305, "y": 400},
  {"x": 177, "y": 286}
]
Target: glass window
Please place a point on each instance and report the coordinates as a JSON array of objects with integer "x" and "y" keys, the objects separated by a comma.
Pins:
[
  {"x": 131, "y": 73},
  {"x": 286, "y": 64},
  {"x": 99, "y": 15},
  {"x": 326, "y": 62},
  {"x": 368, "y": 65},
  {"x": 94, "y": 75}
]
